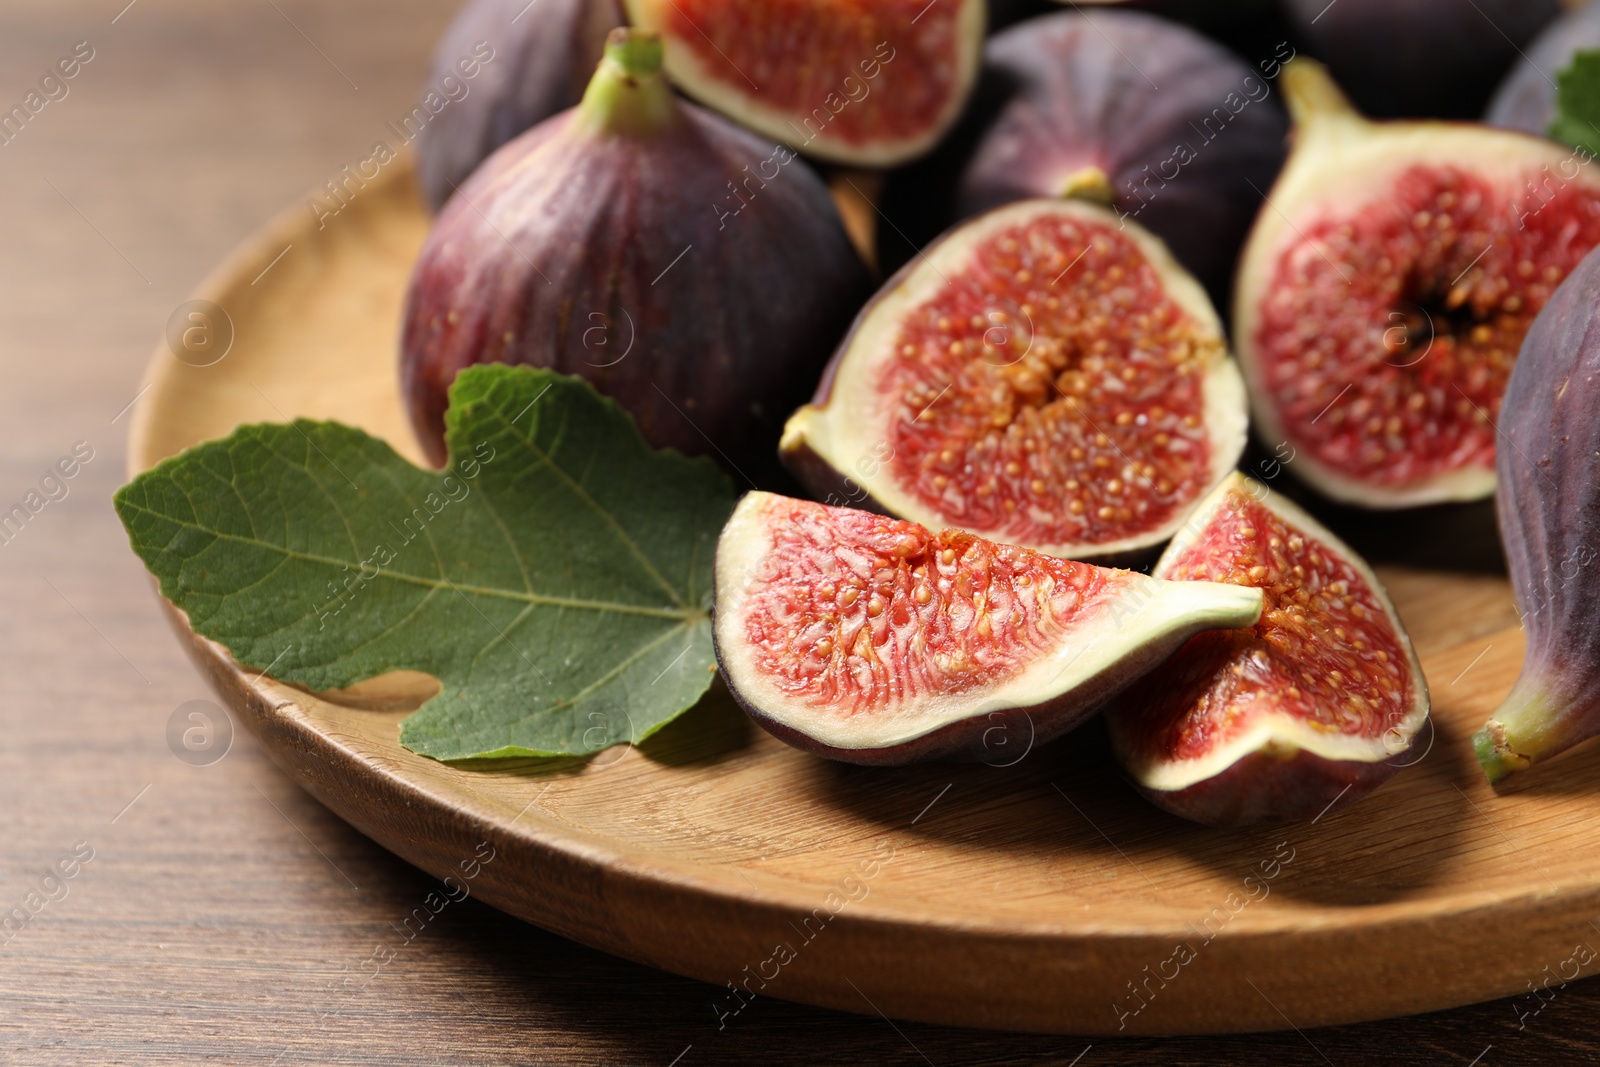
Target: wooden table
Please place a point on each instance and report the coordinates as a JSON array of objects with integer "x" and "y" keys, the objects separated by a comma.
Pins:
[{"x": 224, "y": 915}]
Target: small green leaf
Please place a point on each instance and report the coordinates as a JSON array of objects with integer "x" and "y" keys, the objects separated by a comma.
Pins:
[
  {"x": 555, "y": 576},
  {"x": 1577, "y": 120}
]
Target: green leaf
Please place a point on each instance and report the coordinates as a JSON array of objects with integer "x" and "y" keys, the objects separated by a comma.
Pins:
[
  {"x": 1577, "y": 120},
  {"x": 555, "y": 576}
]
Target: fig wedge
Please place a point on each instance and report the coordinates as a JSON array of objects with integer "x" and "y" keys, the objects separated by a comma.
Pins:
[
  {"x": 1318, "y": 701},
  {"x": 872, "y": 640}
]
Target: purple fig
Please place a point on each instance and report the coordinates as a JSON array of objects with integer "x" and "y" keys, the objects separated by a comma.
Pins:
[
  {"x": 528, "y": 62},
  {"x": 1549, "y": 508},
  {"x": 1132, "y": 110},
  {"x": 1419, "y": 58},
  {"x": 1526, "y": 99},
  {"x": 696, "y": 274},
  {"x": 872, "y": 640}
]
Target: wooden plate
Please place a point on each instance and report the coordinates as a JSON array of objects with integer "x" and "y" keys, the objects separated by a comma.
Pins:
[{"x": 1041, "y": 896}]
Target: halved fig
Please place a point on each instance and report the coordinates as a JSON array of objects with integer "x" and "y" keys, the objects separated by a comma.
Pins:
[
  {"x": 1045, "y": 375},
  {"x": 1386, "y": 289},
  {"x": 870, "y": 83},
  {"x": 1145, "y": 114},
  {"x": 1319, "y": 700},
  {"x": 872, "y": 640}
]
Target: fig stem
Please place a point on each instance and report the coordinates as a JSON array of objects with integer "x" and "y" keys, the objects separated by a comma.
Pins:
[
  {"x": 1518, "y": 734},
  {"x": 1089, "y": 183},
  {"x": 628, "y": 94},
  {"x": 1313, "y": 95}
]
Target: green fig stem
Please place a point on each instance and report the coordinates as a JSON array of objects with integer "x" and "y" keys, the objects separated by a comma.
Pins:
[
  {"x": 1522, "y": 731},
  {"x": 1312, "y": 94},
  {"x": 628, "y": 94},
  {"x": 1089, "y": 183}
]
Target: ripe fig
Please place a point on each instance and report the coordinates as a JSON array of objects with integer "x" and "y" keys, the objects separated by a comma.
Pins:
[
  {"x": 872, "y": 640},
  {"x": 1135, "y": 111},
  {"x": 1387, "y": 285},
  {"x": 1526, "y": 98},
  {"x": 1429, "y": 58},
  {"x": 1549, "y": 509},
  {"x": 693, "y": 272},
  {"x": 543, "y": 56},
  {"x": 1045, "y": 375},
  {"x": 1320, "y": 699},
  {"x": 869, "y": 83}
]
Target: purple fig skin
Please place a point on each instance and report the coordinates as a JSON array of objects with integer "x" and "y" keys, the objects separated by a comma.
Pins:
[
  {"x": 541, "y": 64},
  {"x": 623, "y": 256},
  {"x": 1549, "y": 510},
  {"x": 1526, "y": 99},
  {"x": 1266, "y": 788},
  {"x": 1077, "y": 103},
  {"x": 1419, "y": 58}
]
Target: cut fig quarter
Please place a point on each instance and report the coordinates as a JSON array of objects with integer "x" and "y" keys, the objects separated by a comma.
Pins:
[
  {"x": 1318, "y": 702},
  {"x": 1387, "y": 286},
  {"x": 870, "y": 83},
  {"x": 1045, "y": 375},
  {"x": 873, "y": 640}
]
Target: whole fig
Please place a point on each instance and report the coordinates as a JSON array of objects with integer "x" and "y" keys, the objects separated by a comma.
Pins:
[
  {"x": 1549, "y": 508},
  {"x": 1147, "y": 115},
  {"x": 1526, "y": 99},
  {"x": 1420, "y": 58},
  {"x": 694, "y": 273},
  {"x": 540, "y": 58}
]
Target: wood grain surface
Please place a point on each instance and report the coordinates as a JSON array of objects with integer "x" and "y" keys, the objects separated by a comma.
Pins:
[{"x": 225, "y": 915}]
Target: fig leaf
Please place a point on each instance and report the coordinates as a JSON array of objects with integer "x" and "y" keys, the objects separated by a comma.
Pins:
[
  {"x": 555, "y": 576},
  {"x": 1577, "y": 120}
]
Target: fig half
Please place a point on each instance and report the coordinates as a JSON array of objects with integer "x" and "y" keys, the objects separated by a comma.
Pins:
[
  {"x": 1136, "y": 111},
  {"x": 1319, "y": 700},
  {"x": 1549, "y": 508},
  {"x": 1045, "y": 375},
  {"x": 1387, "y": 286},
  {"x": 870, "y": 83},
  {"x": 691, "y": 271},
  {"x": 872, "y": 640},
  {"x": 543, "y": 57}
]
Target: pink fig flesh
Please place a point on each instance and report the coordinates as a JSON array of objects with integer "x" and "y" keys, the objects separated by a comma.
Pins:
[{"x": 1045, "y": 375}]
